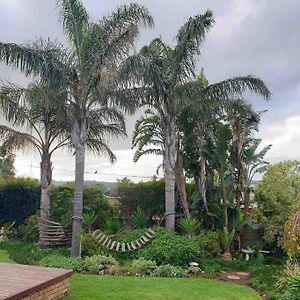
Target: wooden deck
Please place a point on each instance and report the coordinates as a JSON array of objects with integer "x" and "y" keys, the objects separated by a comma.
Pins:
[{"x": 30, "y": 282}]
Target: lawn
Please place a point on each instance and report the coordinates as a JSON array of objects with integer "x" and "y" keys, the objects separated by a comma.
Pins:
[
  {"x": 4, "y": 257},
  {"x": 95, "y": 287}
]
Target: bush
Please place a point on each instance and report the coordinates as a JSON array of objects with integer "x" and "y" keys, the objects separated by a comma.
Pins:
[
  {"x": 208, "y": 244},
  {"x": 29, "y": 231},
  {"x": 90, "y": 246},
  {"x": 27, "y": 253},
  {"x": 169, "y": 271},
  {"x": 293, "y": 293},
  {"x": 96, "y": 264},
  {"x": 63, "y": 262},
  {"x": 169, "y": 248},
  {"x": 189, "y": 226},
  {"x": 287, "y": 275},
  {"x": 93, "y": 200},
  {"x": 148, "y": 196},
  {"x": 143, "y": 267},
  {"x": 112, "y": 226},
  {"x": 140, "y": 219},
  {"x": 19, "y": 199}
]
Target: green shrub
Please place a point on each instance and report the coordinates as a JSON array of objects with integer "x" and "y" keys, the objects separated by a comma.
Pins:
[
  {"x": 293, "y": 292},
  {"x": 169, "y": 271},
  {"x": 112, "y": 226},
  {"x": 19, "y": 199},
  {"x": 27, "y": 253},
  {"x": 29, "y": 231},
  {"x": 90, "y": 246},
  {"x": 96, "y": 264},
  {"x": 169, "y": 248},
  {"x": 139, "y": 220},
  {"x": 208, "y": 244},
  {"x": 288, "y": 274},
  {"x": 59, "y": 261},
  {"x": 189, "y": 226},
  {"x": 143, "y": 267}
]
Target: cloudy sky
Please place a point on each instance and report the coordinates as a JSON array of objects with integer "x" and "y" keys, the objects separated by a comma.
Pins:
[{"x": 259, "y": 37}]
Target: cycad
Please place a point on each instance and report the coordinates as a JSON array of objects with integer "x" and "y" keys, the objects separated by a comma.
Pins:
[{"x": 190, "y": 226}]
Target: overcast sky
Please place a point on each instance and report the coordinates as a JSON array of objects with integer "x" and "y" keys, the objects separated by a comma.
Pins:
[{"x": 259, "y": 37}]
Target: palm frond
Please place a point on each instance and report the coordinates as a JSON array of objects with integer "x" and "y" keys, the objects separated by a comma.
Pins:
[
  {"x": 99, "y": 147},
  {"x": 13, "y": 139},
  {"x": 139, "y": 153},
  {"x": 189, "y": 39},
  {"x": 74, "y": 18},
  {"x": 235, "y": 87},
  {"x": 38, "y": 59}
]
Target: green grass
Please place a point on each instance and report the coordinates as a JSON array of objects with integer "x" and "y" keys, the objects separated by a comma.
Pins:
[
  {"x": 95, "y": 287},
  {"x": 4, "y": 257}
]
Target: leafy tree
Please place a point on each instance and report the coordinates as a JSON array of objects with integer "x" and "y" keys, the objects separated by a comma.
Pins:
[
  {"x": 86, "y": 72},
  {"x": 164, "y": 78},
  {"x": 277, "y": 197},
  {"x": 7, "y": 159}
]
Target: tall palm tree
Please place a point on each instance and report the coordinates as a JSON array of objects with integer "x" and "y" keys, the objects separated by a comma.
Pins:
[
  {"x": 148, "y": 137},
  {"x": 40, "y": 119},
  {"x": 167, "y": 78},
  {"x": 87, "y": 71}
]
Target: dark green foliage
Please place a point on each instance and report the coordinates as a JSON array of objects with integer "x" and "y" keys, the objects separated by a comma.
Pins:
[
  {"x": 112, "y": 225},
  {"x": 29, "y": 231},
  {"x": 149, "y": 196},
  {"x": 27, "y": 253},
  {"x": 139, "y": 219},
  {"x": 169, "y": 248},
  {"x": 19, "y": 199},
  {"x": 90, "y": 246},
  {"x": 6, "y": 163},
  {"x": 59, "y": 261},
  {"x": 208, "y": 244},
  {"x": 93, "y": 201}
]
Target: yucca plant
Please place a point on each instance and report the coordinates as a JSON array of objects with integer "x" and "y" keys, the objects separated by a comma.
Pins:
[
  {"x": 6, "y": 230},
  {"x": 226, "y": 238},
  {"x": 89, "y": 219},
  {"x": 190, "y": 226},
  {"x": 139, "y": 219},
  {"x": 112, "y": 226}
]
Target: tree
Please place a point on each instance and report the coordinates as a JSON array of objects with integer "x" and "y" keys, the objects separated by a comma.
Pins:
[
  {"x": 277, "y": 196},
  {"x": 253, "y": 163},
  {"x": 87, "y": 72},
  {"x": 148, "y": 137},
  {"x": 164, "y": 78},
  {"x": 7, "y": 159},
  {"x": 46, "y": 125},
  {"x": 35, "y": 111}
]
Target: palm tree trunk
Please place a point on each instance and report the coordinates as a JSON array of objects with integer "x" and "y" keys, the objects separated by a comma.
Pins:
[
  {"x": 181, "y": 186},
  {"x": 225, "y": 202},
  {"x": 246, "y": 204},
  {"x": 202, "y": 187},
  {"x": 170, "y": 156},
  {"x": 79, "y": 140},
  {"x": 46, "y": 179}
]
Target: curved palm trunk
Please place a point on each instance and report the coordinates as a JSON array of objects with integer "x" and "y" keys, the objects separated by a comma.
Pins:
[
  {"x": 181, "y": 187},
  {"x": 46, "y": 180},
  {"x": 79, "y": 137},
  {"x": 170, "y": 143}
]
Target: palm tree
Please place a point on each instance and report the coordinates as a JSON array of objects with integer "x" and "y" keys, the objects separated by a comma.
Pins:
[
  {"x": 35, "y": 123},
  {"x": 40, "y": 119},
  {"x": 254, "y": 163},
  {"x": 164, "y": 78},
  {"x": 148, "y": 137},
  {"x": 87, "y": 71}
]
